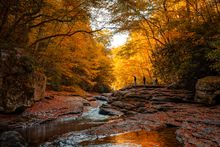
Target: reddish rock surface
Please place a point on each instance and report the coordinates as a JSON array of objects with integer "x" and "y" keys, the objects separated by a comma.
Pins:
[
  {"x": 153, "y": 108},
  {"x": 55, "y": 105},
  {"x": 149, "y": 108}
]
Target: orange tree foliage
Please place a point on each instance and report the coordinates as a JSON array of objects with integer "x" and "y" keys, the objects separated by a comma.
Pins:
[
  {"x": 183, "y": 36},
  {"x": 132, "y": 59},
  {"x": 74, "y": 60},
  {"x": 56, "y": 36}
]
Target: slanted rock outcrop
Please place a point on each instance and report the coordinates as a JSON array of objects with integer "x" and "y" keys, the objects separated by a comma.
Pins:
[
  {"x": 20, "y": 85},
  {"x": 21, "y": 91}
]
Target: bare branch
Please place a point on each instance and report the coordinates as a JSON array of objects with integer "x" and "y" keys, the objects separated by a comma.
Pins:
[
  {"x": 50, "y": 20},
  {"x": 68, "y": 34},
  {"x": 70, "y": 19}
]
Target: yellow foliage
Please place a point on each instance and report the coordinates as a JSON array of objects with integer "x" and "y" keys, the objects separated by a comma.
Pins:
[{"x": 128, "y": 64}]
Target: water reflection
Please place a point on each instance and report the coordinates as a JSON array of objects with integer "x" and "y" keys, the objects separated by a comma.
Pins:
[
  {"x": 163, "y": 138},
  {"x": 45, "y": 132},
  {"x": 38, "y": 134},
  {"x": 42, "y": 133}
]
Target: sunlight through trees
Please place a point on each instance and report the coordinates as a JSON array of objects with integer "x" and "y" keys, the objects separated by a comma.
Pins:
[{"x": 69, "y": 41}]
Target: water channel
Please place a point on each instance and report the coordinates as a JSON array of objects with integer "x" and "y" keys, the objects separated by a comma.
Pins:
[{"x": 49, "y": 131}]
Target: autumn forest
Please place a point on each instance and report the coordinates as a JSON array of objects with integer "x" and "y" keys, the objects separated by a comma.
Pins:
[
  {"x": 173, "y": 40},
  {"x": 67, "y": 46}
]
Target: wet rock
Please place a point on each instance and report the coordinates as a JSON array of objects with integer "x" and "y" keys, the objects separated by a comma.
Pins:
[
  {"x": 123, "y": 105},
  {"x": 164, "y": 108},
  {"x": 109, "y": 111},
  {"x": 130, "y": 112},
  {"x": 112, "y": 99},
  {"x": 169, "y": 107},
  {"x": 141, "y": 109},
  {"x": 12, "y": 139},
  {"x": 167, "y": 99},
  {"x": 70, "y": 140},
  {"x": 139, "y": 104},
  {"x": 106, "y": 94},
  {"x": 106, "y": 105},
  {"x": 102, "y": 98},
  {"x": 108, "y": 129},
  {"x": 197, "y": 125},
  {"x": 208, "y": 90},
  {"x": 138, "y": 96}
]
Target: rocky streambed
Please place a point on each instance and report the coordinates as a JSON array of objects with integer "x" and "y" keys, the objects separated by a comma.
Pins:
[
  {"x": 134, "y": 116},
  {"x": 152, "y": 108}
]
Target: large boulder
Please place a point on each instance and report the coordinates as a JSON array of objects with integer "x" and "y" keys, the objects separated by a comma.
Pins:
[
  {"x": 21, "y": 91},
  {"x": 20, "y": 85},
  {"x": 12, "y": 139},
  {"x": 208, "y": 90}
]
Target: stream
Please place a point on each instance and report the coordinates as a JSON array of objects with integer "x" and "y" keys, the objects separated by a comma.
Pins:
[{"x": 49, "y": 131}]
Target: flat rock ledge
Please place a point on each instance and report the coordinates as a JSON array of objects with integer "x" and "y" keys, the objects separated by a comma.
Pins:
[
  {"x": 56, "y": 105},
  {"x": 154, "y": 109}
]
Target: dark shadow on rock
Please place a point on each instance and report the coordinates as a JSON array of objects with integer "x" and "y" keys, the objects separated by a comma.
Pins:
[
  {"x": 12, "y": 139},
  {"x": 20, "y": 110}
]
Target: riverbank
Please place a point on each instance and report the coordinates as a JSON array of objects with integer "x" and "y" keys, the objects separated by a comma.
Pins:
[
  {"x": 55, "y": 105},
  {"x": 153, "y": 109},
  {"x": 136, "y": 109}
]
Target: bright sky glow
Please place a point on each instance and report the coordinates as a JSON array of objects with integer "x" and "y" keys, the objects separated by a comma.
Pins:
[
  {"x": 118, "y": 40},
  {"x": 101, "y": 20}
]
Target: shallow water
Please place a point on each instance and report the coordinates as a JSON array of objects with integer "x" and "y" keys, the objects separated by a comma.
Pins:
[
  {"x": 45, "y": 132},
  {"x": 163, "y": 138},
  {"x": 37, "y": 135}
]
